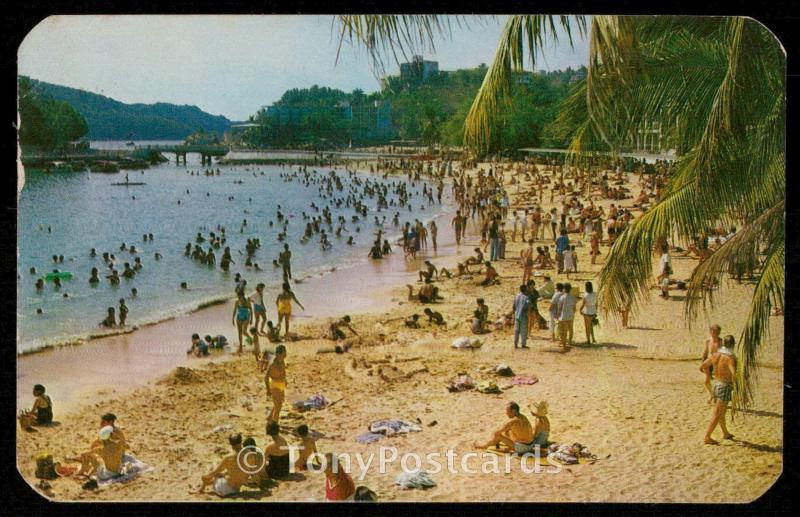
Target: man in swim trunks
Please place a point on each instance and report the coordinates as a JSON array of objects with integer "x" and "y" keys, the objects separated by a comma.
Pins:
[
  {"x": 228, "y": 477},
  {"x": 723, "y": 363},
  {"x": 107, "y": 449},
  {"x": 275, "y": 380},
  {"x": 429, "y": 273},
  {"x": 457, "y": 226},
  {"x": 284, "y": 303},
  {"x": 516, "y": 434}
]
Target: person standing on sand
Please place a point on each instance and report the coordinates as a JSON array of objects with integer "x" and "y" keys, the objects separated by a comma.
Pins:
[
  {"x": 284, "y": 303},
  {"x": 712, "y": 344},
  {"x": 526, "y": 259},
  {"x": 554, "y": 310},
  {"x": 242, "y": 317},
  {"x": 520, "y": 308},
  {"x": 562, "y": 244},
  {"x": 259, "y": 307},
  {"x": 589, "y": 311},
  {"x": 565, "y": 316},
  {"x": 433, "y": 231},
  {"x": 275, "y": 379},
  {"x": 723, "y": 364}
]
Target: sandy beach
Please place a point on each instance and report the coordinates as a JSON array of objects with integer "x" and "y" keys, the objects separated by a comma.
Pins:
[{"x": 636, "y": 399}]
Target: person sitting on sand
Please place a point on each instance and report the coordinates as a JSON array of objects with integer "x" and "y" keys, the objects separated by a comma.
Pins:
[
  {"x": 516, "y": 433},
  {"x": 541, "y": 429},
  {"x": 109, "y": 450},
  {"x": 476, "y": 260},
  {"x": 429, "y": 273},
  {"x": 110, "y": 419},
  {"x": 335, "y": 328},
  {"x": 428, "y": 293},
  {"x": 308, "y": 447},
  {"x": 275, "y": 379},
  {"x": 339, "y": 486},
  {"x": 435, "y": 317},
  {"x": 479, "y": 323},
  {"x": 228, "y": 477},
  {"x": 277, "y": 452},
  {"x": 199, "y": 347},
  {"x": 491, "y": 276},
  {"x": 218, "y": 342},
  {"x": 412, "y": 322},
  {"x": 42, "y": 411},
  {"x": 272, "y": 333},
  {"x": 723, "y": 364}
]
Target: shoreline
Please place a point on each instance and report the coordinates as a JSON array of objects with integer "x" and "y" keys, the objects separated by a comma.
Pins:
[{"x": 51, "y": 364}]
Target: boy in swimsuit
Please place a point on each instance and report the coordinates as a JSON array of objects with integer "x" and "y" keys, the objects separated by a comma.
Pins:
[
  {"x": 277, "y": 452},
  {"x": 259, "y": 309},
  {"x": 275, "y": 380},
  {"x": 284, "y": 303},
  {"x": 336, "y": 332},
  {"x": 228, "y": 477}
]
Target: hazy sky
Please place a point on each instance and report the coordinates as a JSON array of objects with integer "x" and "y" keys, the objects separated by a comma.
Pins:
[{"x": 229, "y": 65}]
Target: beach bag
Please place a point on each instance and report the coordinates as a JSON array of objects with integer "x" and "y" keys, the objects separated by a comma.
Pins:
[
  {"x": 595, "y": 321},
  {"x": 45, "y": 467},
  {"x": 365, "y": 494}
]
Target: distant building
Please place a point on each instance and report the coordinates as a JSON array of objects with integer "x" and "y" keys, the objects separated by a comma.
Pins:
[{"x": 418, "y": 70}]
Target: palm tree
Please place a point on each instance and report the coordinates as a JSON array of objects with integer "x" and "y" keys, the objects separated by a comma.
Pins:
[{"x": 716, "y": 84}]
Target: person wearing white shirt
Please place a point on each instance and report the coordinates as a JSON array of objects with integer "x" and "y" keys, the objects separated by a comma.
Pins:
[
  {"x": 589, "y": 312},
  {"x": 554, "y": 310},
  {"x": 566, "y": 316}
]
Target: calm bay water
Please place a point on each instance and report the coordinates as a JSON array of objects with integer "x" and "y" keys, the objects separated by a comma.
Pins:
[{"x": 84, "y": 211}]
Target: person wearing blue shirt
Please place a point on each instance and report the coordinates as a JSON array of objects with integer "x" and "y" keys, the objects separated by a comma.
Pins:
[
  {"x": 521, "y": 306},
  {"x": 562, "y": 243}
]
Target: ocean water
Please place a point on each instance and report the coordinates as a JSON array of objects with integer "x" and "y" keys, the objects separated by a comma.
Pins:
[{"x": 84, "y": 211}]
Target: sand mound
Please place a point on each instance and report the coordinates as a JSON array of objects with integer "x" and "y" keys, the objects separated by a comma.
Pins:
[{"x": 182, "y": 376}]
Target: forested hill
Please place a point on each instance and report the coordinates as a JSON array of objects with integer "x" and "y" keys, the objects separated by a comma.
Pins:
[{"x": 109, "y": 119}]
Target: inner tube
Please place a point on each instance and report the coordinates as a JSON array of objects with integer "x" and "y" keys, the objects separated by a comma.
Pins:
[{"x": 63, "y": 275}]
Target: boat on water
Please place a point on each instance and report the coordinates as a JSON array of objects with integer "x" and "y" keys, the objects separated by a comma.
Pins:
[
  {"x": 128, "y": 184},
  {"x": 130, "y": 144}
]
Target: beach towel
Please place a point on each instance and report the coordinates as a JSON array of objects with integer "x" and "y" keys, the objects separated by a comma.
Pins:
[
  {"x": 392, "y": 427},
  {"x": 369, "y": 437},
  {"x": 409, "y": 480},
  {"x": 313, "y": 402},
  {"x": 131, "y": 469},
  {"x": 524, "y": 379},
  {"x": 461, "y": 383}
]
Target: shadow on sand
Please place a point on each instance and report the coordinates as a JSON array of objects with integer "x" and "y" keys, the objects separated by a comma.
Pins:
[{"x": 618, "y": 346}]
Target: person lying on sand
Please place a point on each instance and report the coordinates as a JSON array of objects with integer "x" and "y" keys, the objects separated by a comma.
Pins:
[
  {"x": 109, "y": 450},
  {"x": 307, "y": 447},
  {"x": 516, "y": 433},
  {"x": 428, "y": 293},
  {"x": 335, "y": 329},
  {"x": 228, "y": 477},
  {"x": 435, "y": 317}
]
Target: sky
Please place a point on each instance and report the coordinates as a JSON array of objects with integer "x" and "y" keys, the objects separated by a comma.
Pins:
[{"x": 232, "y": 65}]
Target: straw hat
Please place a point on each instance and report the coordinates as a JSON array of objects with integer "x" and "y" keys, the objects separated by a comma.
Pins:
[{"x": 539, "y": 408}]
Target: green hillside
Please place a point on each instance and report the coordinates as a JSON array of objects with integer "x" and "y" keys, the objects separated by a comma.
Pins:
[{"x": 109, "y": 119}]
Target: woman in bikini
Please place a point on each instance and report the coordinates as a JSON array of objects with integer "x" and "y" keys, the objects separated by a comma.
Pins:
[
  {"x": 242, "y": 317},
  {"x": 284, "y": 303}
]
